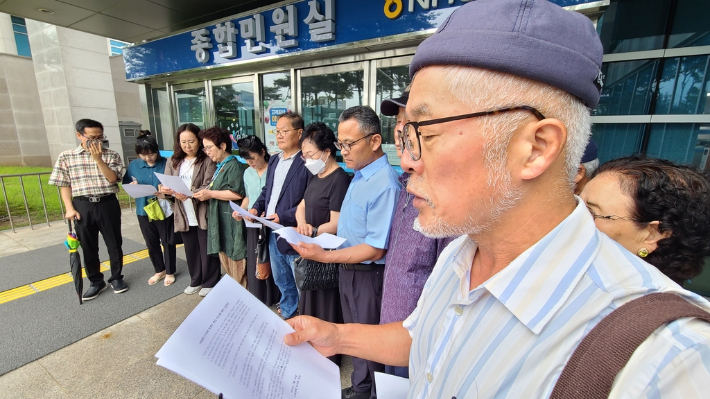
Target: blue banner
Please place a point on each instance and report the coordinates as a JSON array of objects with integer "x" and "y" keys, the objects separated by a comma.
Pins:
[{"x": 301, "y": 26}]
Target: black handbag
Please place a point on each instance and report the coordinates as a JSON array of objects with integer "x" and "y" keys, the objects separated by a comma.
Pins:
[
  {"x": 311, "y": 275},
  {"x": 262, "y": 246}
]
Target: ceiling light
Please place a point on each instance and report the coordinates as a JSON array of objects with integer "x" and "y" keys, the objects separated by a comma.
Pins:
[{"x": 46, "y": 10}]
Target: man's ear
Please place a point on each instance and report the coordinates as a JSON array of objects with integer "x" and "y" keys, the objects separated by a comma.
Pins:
[
  {"x": 375, "y": 141},
  {"x": 581, "y": 172},
  {"x": 654, "y": 235},
  {"x": 538, "y": 146}
]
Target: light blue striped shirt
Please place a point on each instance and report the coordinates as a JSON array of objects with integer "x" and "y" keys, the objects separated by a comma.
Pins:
[{"x": 511, "y": 336}]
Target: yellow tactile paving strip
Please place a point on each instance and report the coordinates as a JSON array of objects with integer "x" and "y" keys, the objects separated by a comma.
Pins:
[{"x": 65, "y": 278}]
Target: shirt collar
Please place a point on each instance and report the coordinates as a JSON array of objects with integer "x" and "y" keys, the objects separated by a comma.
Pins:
[
  {"x": 78, "y": 150},
  {"x": 368, "y": 171},
  {"x": 538, "y": 282},
  {"x": 281, "y": 155}
]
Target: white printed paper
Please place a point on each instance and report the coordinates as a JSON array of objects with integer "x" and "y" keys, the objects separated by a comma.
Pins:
[
  {"x": 244, "y": 213},
  {"x": 325, "y": 240},
  {"x": 174, "y": 183},
  {"x": 391, "y": 386},
  {"x": 139, "y": 190},
  {"x": 232, "y": 344},
  {"x": 251, "y": 225}
]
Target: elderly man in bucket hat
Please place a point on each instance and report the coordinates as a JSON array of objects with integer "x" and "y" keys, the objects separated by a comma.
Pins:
[{"x": 499, "y": 120}]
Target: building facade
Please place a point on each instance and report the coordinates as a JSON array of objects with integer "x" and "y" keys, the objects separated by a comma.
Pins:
[{"x": 319, "y": 57}]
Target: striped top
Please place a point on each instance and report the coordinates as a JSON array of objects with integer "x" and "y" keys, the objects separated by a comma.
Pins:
[{"x": 511, "y": 336}]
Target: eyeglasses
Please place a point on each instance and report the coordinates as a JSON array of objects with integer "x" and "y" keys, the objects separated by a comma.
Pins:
[
  {"x": 283, "y": 132},
  {"x": 347, "y": 146},
  {"x": 99, "y": 138},
  {"x": 309, "y": 156},
  {"x": 610, "y": 217},
  {"x": 410, "y": 131},
  {"x": 207, "y": 149}
]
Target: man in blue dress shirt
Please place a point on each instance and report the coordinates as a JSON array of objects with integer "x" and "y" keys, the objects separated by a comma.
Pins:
[{"x": 365, "y": 219}]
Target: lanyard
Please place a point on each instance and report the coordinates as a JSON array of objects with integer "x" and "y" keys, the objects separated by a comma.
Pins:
[{"x": 219, "y": 168}]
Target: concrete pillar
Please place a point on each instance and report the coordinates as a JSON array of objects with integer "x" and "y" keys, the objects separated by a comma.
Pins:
[
  {"x": 74, "y": 80},
  {"x": 7, "y": 36}
]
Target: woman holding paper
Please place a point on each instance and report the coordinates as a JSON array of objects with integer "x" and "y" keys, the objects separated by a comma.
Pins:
[
  {"x": 253, "y": 150},
  {"x": 196, "y": 170},
  {"x": 225, "y": 236},
  {"x": 319, "y": 211},
  {"x": 155, "y": 232}
]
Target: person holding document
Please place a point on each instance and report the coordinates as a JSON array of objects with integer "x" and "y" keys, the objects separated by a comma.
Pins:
[
  {"x": 156, "y": 232},
  {"x": 225, "y": 236},
  {"x": 190, "y": 162},
  {"x": 319, "y": 211},
  {"x": 365, "y": 219}
]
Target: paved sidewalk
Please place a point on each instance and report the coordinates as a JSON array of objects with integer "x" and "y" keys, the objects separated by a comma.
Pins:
[{"x": 117, "y": 362}]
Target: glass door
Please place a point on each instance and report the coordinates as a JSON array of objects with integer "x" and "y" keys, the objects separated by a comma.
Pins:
[
  {"x": 391, "y": 78},
  {"x": 326, "y": 92},
  {"x": 190, "y": 104},
  {"x": 234, "y": 106},
  {"x": 276, "y": 93}
]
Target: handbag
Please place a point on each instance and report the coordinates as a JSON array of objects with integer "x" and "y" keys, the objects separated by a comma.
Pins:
[
  {"x": 311, "y": 275},
  {"x": 263, "y": 261},
  {"x": 153, "y": 210}
]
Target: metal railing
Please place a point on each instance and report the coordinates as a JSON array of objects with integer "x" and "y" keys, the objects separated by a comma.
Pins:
[{"x": 38, "y": 175}]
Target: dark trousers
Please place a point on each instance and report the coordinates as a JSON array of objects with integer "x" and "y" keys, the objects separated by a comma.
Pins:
[
  {"x": 361, "y": 299},
  {"x": 398, "y": 371},
  {"x": 155, "y": 233},
  {"x": 100, "y": 217},
  {"x": 204, "y": 269}
]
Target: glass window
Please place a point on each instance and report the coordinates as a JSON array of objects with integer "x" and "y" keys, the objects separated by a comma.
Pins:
[
  {"x": 634, "y": 25},
  {"x": 21, "y": 40},
  {"x": 325, "y": 97},
  {"x": 627, "y": 87},
  {"x": 690, "y": 24},
  {"x": 276, "y": 95},
  {"x": 234, "y": 108},
  {"x": 616, "y": 140},
  {"x": 685, "y": 143},
  {"x": 191, "y": 106},
  {"x": 391, "y": 83},
  {"x": 684, "y": 86},
  {"x": 162, "y": 120}
]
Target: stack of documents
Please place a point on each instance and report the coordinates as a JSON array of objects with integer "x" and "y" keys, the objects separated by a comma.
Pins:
[{"x": 233, "y": 344}]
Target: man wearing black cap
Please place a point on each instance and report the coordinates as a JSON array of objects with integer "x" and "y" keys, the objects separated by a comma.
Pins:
[
  {"x": 499, "y": 119},
  {"x": 412, "y": 255},
  {"x": 586, "y": 169}
]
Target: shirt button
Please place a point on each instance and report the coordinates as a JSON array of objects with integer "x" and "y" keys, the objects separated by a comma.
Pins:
[
  {"x": 458, "y": 310},
  {"x": 429, "y": 377}
]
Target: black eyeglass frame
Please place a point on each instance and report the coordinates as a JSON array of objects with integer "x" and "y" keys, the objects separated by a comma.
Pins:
[
  {"x": 406, "y": 142},
  {"x": 611, "y": 217},
  {"x": 348, "y": 146}
]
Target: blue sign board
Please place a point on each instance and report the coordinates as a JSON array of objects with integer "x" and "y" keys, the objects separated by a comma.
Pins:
[{"x": 301, "y": 26}]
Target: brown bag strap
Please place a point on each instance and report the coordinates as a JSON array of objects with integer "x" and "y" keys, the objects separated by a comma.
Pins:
[{"x": 591, "y": 370}]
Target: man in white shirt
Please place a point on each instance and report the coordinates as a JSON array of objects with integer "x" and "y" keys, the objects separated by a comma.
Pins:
[{"x": 498, "y": 122}]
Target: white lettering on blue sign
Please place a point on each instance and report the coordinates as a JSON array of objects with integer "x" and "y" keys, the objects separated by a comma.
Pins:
[
  {"x": 285, "y": 25},
  {"x": 226, "y": 35},
  {"x": 252, "y": 30},
  {"x": 274, "y": 114},
  {"x": 321, "y": 27},
  {"x": 200, "y": 42}
]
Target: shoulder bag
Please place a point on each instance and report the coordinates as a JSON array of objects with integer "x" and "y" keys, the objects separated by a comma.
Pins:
[{"x": 311, "y": 275}]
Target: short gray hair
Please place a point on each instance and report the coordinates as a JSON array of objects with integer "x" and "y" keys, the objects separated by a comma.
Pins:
[{"x": 367, "y": 120}]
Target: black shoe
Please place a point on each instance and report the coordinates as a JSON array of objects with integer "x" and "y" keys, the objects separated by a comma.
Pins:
[
  {"x": 94, "y": 291},
  {"x": 119, "y": 286},
  {"x": 351, "y": 393}
]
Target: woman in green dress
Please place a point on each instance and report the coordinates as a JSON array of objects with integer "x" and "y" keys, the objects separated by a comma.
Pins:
[{"x": 225, "y": 236}]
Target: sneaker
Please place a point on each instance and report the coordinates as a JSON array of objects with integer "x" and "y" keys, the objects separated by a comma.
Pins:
[
  {"x": 351, "y": 393},
  {"x": 94, "y": 291},
  {"x": 119, "y": 286},
  {"x": 192, "y": 290},
  {"x": 205, "y": 291}
]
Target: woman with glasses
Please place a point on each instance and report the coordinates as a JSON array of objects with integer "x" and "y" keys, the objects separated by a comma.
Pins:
[
  {"x": 656, "y": 209},
  {"x": 156, "y": 232},
  {"x": 319, "y": 210},
  {"x": 225, "y": 236},
  {"x": 190, "y": 162},
  {"x": 253, "y": 150}
]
